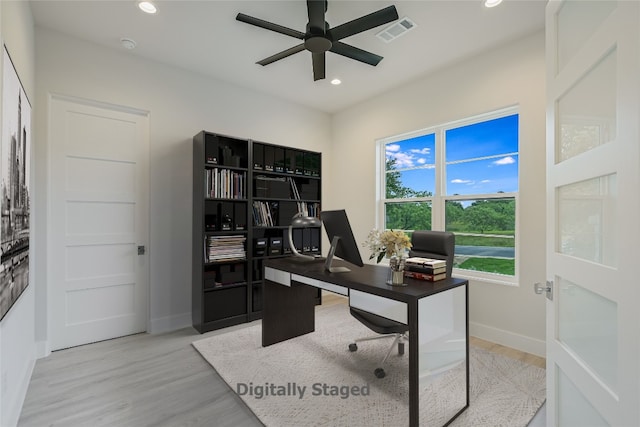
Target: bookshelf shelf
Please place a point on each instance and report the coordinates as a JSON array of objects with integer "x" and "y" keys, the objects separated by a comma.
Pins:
[
  {"x": 245, "y": 194},
  {"x": 223, "y": 287},
  {"x": 284, "y": 181}
]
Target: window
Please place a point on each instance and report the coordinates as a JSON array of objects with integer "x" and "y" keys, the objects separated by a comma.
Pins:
[{"x": 460, "y": 177}]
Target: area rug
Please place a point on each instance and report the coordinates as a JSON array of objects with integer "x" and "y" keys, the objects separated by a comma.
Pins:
[{"x": 314, "y": 380}]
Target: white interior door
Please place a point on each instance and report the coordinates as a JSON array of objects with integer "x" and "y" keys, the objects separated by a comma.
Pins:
[
  {"x": 98, "y": 217},
  {"x": 593, "y": 159}
]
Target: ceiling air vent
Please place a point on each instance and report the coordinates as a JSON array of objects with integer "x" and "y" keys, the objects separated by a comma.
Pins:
[{"x": 397, "y": 29}]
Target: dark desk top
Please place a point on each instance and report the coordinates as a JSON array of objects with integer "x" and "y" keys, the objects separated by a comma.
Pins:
[{"x": 369, "y": 278}]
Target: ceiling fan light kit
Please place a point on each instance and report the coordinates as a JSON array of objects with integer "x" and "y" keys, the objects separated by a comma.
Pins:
[
  {"x": 492, "y": 3},
  {"x": 320, "y": 38},
  {"x": 147, "y": 7}
]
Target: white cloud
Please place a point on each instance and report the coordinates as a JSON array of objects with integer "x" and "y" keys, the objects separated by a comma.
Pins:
[
  {"x": 425, "y": 150},
  {"x": 403, "y": 160},
  {"x": 505, "y": 161},
  {"x": 407, "y": 159},
  {"x": 485, "y": 181},
  {"x": 461, "y": 181}
]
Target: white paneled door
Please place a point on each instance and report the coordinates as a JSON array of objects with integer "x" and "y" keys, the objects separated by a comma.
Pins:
[
  {"x": 98, "y": 222},
  {"x": 593, "y": 176}
]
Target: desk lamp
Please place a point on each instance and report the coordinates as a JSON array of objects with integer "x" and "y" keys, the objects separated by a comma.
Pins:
[{"x": 299, "y": 220}]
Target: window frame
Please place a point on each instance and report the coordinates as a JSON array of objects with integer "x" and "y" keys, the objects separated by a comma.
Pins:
[{"x": 439, "y": 198}]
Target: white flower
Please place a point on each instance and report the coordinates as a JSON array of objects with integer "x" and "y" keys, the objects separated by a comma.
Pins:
[{"x": 387, "y": 243}]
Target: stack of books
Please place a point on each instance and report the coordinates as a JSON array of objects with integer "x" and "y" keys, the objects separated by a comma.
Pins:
[
  {"x": 425, "y": 268},
  {"x": 224, "y": 248}
]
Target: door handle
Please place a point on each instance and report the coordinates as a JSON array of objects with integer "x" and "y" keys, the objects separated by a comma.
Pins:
[
  {"x": 141, "y": 250},
  {"x": 547, "y": 288}
]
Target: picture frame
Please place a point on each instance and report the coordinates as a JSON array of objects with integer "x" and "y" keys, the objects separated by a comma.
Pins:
[{"x": 15, "y": 202}]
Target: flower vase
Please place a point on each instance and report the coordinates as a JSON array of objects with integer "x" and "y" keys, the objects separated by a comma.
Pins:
[{"x": 396, "y": 271}]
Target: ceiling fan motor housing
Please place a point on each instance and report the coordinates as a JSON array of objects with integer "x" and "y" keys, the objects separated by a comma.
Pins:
[{"x": 317, "y": 44}]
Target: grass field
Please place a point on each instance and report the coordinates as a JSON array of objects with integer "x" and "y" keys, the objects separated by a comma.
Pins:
[
  {"x": 501, "y": 242},
  {"x": 490, "y": 265}
]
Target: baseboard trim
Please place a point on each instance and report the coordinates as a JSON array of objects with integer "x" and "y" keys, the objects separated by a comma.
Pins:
[
  {"x": 169, "y": 323},
  {"x": 15, "y": 407},
  {"x": 43, "y": 349},
  {"x": 509, "y": 339}
]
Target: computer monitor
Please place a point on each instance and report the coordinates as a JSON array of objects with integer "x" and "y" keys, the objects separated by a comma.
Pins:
[{"x": 343, "y": 244}]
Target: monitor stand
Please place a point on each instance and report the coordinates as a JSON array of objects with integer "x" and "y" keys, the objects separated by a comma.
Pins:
[{"x": 332, "y": 251}]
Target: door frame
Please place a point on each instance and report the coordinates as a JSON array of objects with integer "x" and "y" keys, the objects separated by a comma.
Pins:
[{"x": 144, "y": 273}]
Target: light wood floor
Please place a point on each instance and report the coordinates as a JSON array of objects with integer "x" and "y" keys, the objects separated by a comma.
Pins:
[
  {"x": 147, "y": 380},
  {"x": 527, "y": 358}
]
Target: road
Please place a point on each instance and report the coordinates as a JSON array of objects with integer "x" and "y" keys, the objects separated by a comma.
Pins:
[{"x": 486, "y": 251}]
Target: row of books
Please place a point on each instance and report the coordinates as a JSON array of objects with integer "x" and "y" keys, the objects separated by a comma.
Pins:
[
  {"x": 264, "y": 213},
  {"x": 285, "y": 160},
  {"x": 225, "y": 184},
  {"x": 305, "y": 189},
  {"x": 224, "y": 248},
  {"x": 309, "y": 209},
  {"x": 280, "y": 213},
  {"x": 429, "y": 269}
]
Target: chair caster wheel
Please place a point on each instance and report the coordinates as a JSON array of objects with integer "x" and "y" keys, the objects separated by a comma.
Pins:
[
  {"x": 379, "y": 373},
  {"x": 401, "y": 348},
  {"x": 353, "y": 347}
]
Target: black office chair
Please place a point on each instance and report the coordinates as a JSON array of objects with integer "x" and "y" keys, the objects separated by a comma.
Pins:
[
  {"x": 434, "y": 244},
  {"x": 426, "y": 244}
]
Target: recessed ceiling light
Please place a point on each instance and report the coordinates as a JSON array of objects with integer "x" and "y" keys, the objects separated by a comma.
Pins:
[
  {"x": 336, "y": 82},
  {"x": 492, "y": 3},
  {"x": 147, "y": 7},
  {"x": 127, "y": 43}
]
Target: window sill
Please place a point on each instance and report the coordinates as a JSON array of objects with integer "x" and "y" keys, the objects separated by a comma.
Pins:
[{"x": 496, "y": 279}]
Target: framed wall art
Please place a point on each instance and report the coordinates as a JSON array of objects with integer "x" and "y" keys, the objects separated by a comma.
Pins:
[{"x": 15, "y": 155}]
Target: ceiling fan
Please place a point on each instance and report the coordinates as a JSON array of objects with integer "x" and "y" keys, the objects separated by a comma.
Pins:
[{"x": 320, "y": 38}]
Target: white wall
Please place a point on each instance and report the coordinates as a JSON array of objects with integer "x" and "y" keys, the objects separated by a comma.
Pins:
[
  {"x": 511, "y": 75},
  {"x": 17, "y": 340},
  {"x": 181, "y": 104}
]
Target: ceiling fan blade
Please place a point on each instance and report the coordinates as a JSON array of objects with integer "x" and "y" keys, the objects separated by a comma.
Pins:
[
  {"x": 281, "y": 55},
  {"x": 318, "y": 66},
  {"x": 269, "y": 26},
  {"x": 354, "y": 53},
  {"x": 364, "y": 23},
  {"x": 316, "y": 10}
]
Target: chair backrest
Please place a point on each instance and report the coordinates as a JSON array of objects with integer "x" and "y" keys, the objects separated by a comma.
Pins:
[{"x": 434, "y": 244}]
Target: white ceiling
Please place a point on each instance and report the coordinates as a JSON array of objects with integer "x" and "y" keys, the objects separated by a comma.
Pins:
[{"x": 203, "y": 36}]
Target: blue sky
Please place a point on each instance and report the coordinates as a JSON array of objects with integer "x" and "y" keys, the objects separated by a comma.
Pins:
[{"x": 480, "y": 158}]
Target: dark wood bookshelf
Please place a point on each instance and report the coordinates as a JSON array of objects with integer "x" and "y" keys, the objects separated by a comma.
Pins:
[{"x": 229, "y": 292}]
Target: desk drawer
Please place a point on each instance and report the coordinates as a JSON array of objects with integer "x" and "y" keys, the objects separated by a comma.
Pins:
[
  {"x": 278, "y": 276},
  {"x": 391, "y": 309},
  {"x": 319, "y": 284}
]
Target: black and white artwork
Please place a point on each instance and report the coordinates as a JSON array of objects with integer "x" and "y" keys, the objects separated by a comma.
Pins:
[{"x": 14, "y": 187}]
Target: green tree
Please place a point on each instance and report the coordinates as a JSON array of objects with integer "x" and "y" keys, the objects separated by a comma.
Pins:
[
  {"x": 405, "y": 215},
  {"x": 408, "y": 216},
  {"x": 454, "y": 214},
  {"x": 480, "y": 217},
  {"x": 394, "y": 187},
  {"x": 486, "y": 215}
]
